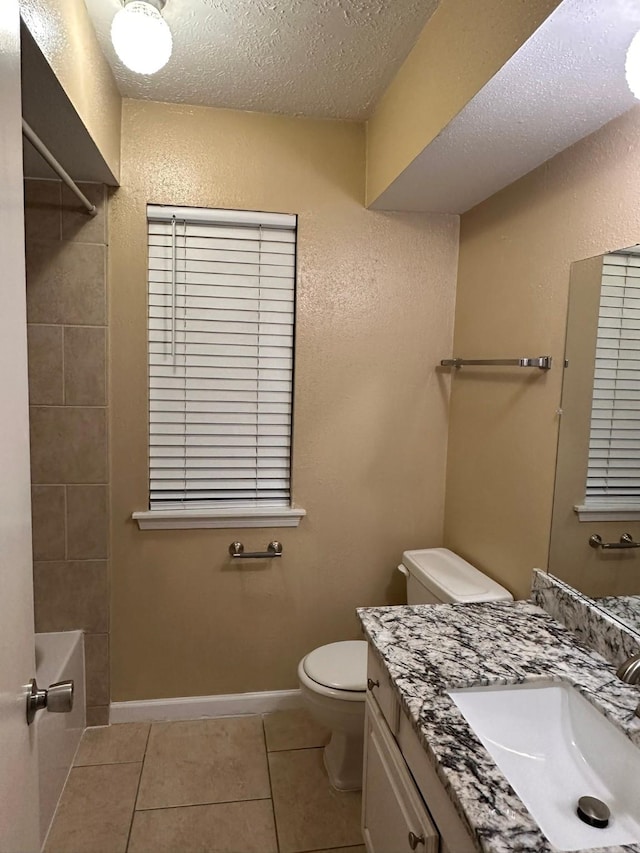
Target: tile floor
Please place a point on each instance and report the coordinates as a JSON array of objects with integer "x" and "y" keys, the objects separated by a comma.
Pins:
[{"x": 230, "y": 785}]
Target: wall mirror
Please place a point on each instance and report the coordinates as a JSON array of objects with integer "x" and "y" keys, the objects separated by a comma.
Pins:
[{"x": 597, "y": 485}]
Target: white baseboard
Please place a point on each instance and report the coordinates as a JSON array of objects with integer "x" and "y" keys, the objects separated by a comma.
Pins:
[{"x": 197, "y": 707}]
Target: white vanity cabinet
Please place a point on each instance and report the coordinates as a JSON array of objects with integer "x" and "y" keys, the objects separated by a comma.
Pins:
[
  {"x": 394, "y": 817},
  {"x": 404, "y": 805}
]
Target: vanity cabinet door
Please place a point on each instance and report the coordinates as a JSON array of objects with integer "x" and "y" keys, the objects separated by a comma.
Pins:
[
  {"x": 379, "y": 686},
  {"x": 454, "y": 837},
  {"x": 394, "y": 818}
]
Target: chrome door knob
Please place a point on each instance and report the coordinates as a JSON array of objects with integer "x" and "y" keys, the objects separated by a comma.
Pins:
[
  {"x": 58, "y": 698},
  {"x": 371, "y": 683}
]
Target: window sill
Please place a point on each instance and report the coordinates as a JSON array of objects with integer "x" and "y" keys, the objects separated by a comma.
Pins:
[
  {"x": 190, "y": 519},
  {"x": 606, "y": 512}
]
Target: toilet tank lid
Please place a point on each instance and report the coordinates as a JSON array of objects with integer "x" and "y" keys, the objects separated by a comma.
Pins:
[
  {"x": 342, "y": 665},
  {"x": 450, "y": 578}
]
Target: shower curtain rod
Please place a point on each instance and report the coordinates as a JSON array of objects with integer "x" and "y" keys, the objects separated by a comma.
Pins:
[{"x": 44, "y": 152}]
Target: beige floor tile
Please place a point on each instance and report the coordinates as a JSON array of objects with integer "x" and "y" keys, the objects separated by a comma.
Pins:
[
  {"x": 113, "y": 744},
  {"x": 294, "y": 729},
  {"x": 359, "y": 849},
  {"x": 204, "y": 761},
  {"x": 95, "y": 810},
  {"x": 221, "y": 828},
  {"x": 310, "y": 815}
]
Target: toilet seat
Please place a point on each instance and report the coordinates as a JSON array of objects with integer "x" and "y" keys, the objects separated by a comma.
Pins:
[{"x": 337, "y": 669}]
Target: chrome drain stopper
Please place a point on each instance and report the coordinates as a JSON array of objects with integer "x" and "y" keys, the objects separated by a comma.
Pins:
[{"x": 593, "y": 811}]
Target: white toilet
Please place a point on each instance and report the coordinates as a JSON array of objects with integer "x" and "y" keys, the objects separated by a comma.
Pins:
[{"x": 333, "y": 678}]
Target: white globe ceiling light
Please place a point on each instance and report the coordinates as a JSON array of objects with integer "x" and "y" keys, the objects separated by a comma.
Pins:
[
  {"x": 632, "y": 66},
  {"x": 141, "y": 37}
]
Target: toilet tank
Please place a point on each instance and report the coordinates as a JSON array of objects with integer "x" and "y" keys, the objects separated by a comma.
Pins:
[{"x": 437, "y": 576}]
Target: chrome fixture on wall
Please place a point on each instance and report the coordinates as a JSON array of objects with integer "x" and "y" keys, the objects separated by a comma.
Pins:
[
  {"x": 626, "y": 541},
  {"x": 542, "y": 361},
  {"x": 274, "y": 549}
]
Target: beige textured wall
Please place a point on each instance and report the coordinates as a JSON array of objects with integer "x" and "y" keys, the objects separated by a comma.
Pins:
[
  {"x": 66, "y": 260},
  {"x": 515, "y": 255},
  {"x": 68, "y": 41},
  {"x": 374, "y": 314},
  {"x": 460, "y": 48}
]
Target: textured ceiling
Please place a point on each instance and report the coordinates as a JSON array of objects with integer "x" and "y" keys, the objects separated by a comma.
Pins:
[
  {"x": 564, "y": 83},
  {"x": 323, "y": 58}
]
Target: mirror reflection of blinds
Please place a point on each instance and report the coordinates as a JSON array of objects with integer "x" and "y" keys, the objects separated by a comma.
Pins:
[
  {"x": 614, "y": 443},
  {"x": 221, "y": 316}
]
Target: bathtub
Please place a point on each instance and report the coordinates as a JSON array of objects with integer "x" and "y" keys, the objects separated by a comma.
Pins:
[{"x": 59, "y": 656}]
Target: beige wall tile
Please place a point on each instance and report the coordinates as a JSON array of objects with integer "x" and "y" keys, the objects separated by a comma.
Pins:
[
  {"x": 48, "y": 522},
  {"x": 98, "y": 716},
  {"x": 227, "y": 828},
  {"x": 85, "y": 368},
  {"x": 42, "y": 215},
  {"x": 44, "y": 269},
  {"x": 204, "y": 761},
  {"x": 95, "y": 810},
  {"x": 68, "y": 445},
  {"x": 76, "y": 223},
  {"x": 71, "y": 595},
  {"x": 117, "y": 744},
  {"x": 85, "y": 365},
  {"x": 45, "y": 365},
  {"x": 96, "y": 654},
  {"x": 87, "y": 522},
  {"x": 310, "y": 815},
  {"x": 66, "y": 283}
]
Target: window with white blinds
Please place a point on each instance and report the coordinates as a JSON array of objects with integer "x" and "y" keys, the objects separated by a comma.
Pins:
[
  {"x": 221, "y": 322},
  {"x": 614, "y": 443}
]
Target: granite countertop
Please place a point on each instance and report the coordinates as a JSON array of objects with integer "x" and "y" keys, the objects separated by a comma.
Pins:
[
  {"x": 428, "y": 650},
  {"x": 626, "y": 608}
]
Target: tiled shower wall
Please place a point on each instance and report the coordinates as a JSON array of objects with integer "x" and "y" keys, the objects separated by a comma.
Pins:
[{"x": 66, "y": 253}]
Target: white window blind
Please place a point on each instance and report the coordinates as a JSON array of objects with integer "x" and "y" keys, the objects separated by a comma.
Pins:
[
  {"x": 221, "y": 317},
  {"x": 614, "y": 444}
]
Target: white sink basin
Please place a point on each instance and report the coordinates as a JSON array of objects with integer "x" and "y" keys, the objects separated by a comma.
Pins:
[{"x": 554, "y": 747}]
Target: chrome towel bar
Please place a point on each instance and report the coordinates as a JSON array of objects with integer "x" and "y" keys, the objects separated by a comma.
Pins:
[
  {"x": 543, "y": 362},
  {"x": 626, "y": 541},
  {"x": 274, "y": 549}
]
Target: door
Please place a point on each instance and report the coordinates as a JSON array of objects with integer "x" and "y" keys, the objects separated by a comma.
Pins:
[
  {"x": 18, "y": 756},
  {"x": 394, "y": 818}
]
